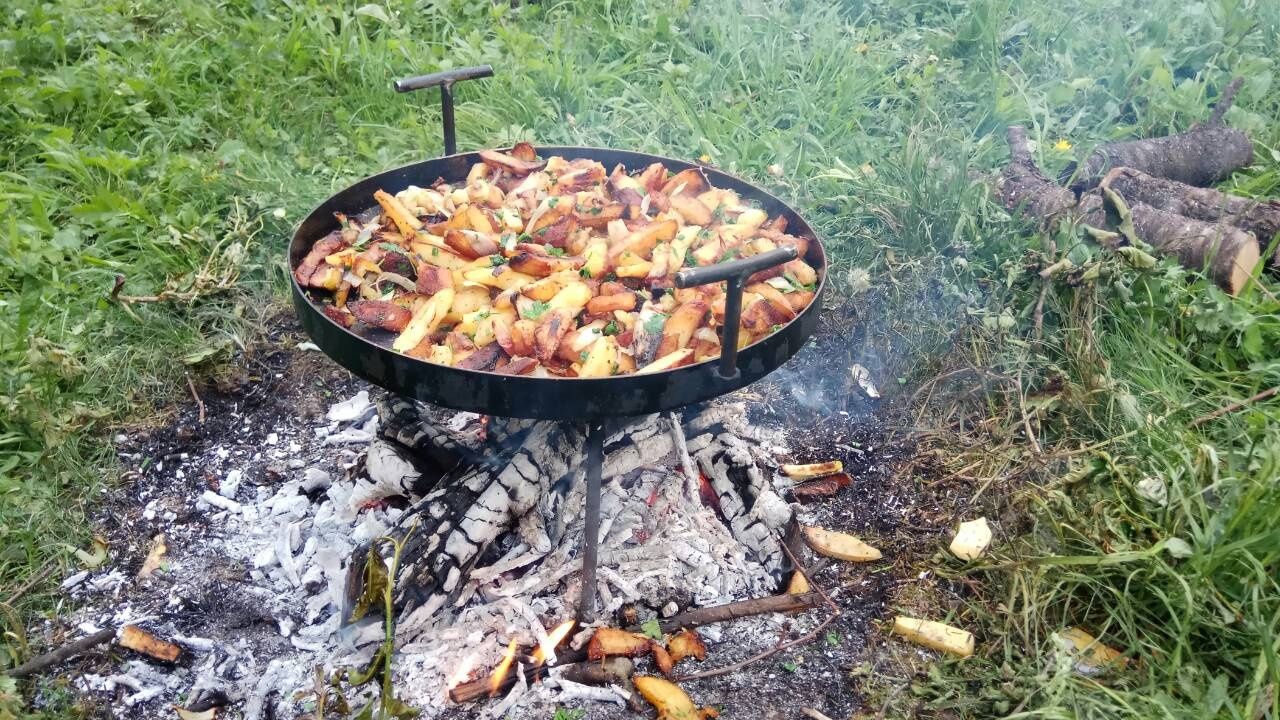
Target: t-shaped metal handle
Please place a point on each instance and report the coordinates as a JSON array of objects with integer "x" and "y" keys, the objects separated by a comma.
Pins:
[
  {"x": 445, "y": 80},
  {"x": 735, "y": 273}
]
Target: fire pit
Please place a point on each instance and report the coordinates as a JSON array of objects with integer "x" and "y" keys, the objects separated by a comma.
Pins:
[{"x": 436, "y": 561}]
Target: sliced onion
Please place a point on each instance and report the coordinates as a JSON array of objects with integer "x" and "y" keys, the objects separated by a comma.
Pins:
[
  {"x": 352, "y": 279},
  {"x": 400, "y": 280},
  {"x": 781, "y": 284}
]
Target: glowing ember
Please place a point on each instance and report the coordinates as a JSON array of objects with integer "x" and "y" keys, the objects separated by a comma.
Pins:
[
  {"x": 547, "y": 650},
  {"x": 708, "y": 494},
  {"x": 504, "y": 667},
  {"x": 463, "y": 672}
]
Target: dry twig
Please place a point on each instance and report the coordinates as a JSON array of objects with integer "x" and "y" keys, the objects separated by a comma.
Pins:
[
  {"x": 66, "y": 652},
  {"x": 1233, "y": 407},
  {"x": 196, "y": 396}
]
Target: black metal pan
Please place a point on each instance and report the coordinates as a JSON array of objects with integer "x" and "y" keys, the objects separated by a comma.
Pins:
[{"x": 555, "y": 398}]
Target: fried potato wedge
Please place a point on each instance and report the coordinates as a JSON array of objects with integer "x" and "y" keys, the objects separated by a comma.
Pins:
[
  {"x": 686, "y": 644},
  {"x": 426, "y": 318},
  {"x": 510, "y": 163},
  {"x": 679, "y": 328},
  {"x": 608, "y": 642},
  {"x": 405, "y": 221},
  {"x": 934, "y": 635},
  {"x": 690, "y": 181},
  {"x": 668, "y": 362},
  {"x": 691, "y": 209},
  {"x": 381, "y": 314},
  {"x": 552, "y": 328},
  {"x": 838, "y": 545},
  {"x": 812, "y": 470},
  {"x": 608, "y": 304},
  {"x": 669, "y": 700}
]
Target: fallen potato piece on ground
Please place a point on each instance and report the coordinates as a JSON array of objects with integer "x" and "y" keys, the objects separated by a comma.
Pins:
[
  {"x": 1092, "y": 657},
  {"x": 611, "y": 641},
  {"x": 135, "y": 638},
  {"x": 838, "y": 545},
  {"x": 686, "y": 643},
  {"x": 971, "y": 539},
  {"x": 934, "y": 635},
  {"x": 814, "y": 490},
  {"x": 799, "y": 584},
  {"x": 812, "y": 470},
  {"x": 669, "y": 700},
  {"x": 661, "y": 657}
]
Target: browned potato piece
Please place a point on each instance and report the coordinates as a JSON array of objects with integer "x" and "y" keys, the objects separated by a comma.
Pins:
[
  {"x": 381, "y": 314},
  {"x": 484, "y": 358},
  {"x": 779, "y": 308},
  {"x": 690, "y": 181},
  {"x": 678, "y": 330},
  {"x": 432, "y": 279},
  {"x": 705, "y": 343},
  {"x": 605, "y": 304},
  {"x": 642, "y": 240},
  {"x": 551, "y": 329},
  {"x": 524, "y": 151},
  {"x": 546, "y": 288},
  {"x": 532, "y": 263},
  {"x": 653, "y": 177},
  {"x": 801, "y": 272},
  {"x": 609, "y": 641},
  {"x": 668, "y": 362},
  {"x": 597, "y": 217},
  {"x": 691, "y": 209},
  {"x": 669, "y": 700},
  {"x": 661, "y": 657},
  {"x": 517, "y": 366},
  {"x": 405, "y": 221},
  {"x": 511, "y": 163},
  {"x": 686, "y": 643},
  {"x": 800, "y": 300},
  {"x": 522, "y": 337},
  {"x": 558, "y": 233},
  {"x": 470, "y": 245},
  {"x": 479, "y": 221}
]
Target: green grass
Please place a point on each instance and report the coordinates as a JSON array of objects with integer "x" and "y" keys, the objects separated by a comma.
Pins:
[{"x": 143, "y": 137}]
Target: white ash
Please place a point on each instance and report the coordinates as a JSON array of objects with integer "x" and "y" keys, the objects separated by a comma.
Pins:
[{"x": 253, "y": 588}]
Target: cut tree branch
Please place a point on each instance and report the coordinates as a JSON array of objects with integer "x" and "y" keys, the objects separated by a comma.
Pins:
[{"x": 62, "y": 654}]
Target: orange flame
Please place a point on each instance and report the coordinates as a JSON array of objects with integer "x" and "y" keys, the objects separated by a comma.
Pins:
[
  {"x": 504, "y": 667},
  {"x": 547, "y": 649}
]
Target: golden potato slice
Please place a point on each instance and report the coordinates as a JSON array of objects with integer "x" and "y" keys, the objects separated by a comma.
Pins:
[
  {"x": 602, "y": 358},
  {"x": 838, "y": 545},
  {"x": 679, "y": 328},
  {"x": 595, "y": 259},
  {"x": 799, "y": 584},
  {"x": 608, "y": 304},
  {"x": 669, "y": 700},
  {"x": 779, "y": 308},
  {"x": 572, "y": 297},
  {"x": 510, "y": 163},
  {"x": 607, "y": 641},
  {"x": 642, "y": 240},
  {"x": 406, "y": 222},
  {"x": 470, "y": 244},
  {"x": 691, "y": 210},
  {"x": 546, "y": 288},
  {"x": 935, "y": 635},
  {"x": 668, "y": 362},
  {"x": 539, "y": 265},
  {"x": 812, "y": 470},
  {"x": 690, "y": 181},
  {"x": 426, "y": 318},
  {"x": 502, "y": 277}
]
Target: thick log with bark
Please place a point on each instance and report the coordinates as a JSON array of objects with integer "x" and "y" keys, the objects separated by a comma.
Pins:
[
  {"x": 1227, "y": 254},
  {"x": 1260, "y": 217},
  {"x": 1201, "y": 156}
]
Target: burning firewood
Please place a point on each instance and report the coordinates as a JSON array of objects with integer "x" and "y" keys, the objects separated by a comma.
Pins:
[
  {"x": 669, "y": 700},
  {"x": 934, "y": 635},
  {"x": 839, "y": 545},
  {"x": 812, "y": 470}
]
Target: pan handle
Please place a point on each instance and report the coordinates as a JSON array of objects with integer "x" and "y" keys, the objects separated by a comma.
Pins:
[
  {"x": 445, "y": 80},
  {"x": 735, "y": 274}
]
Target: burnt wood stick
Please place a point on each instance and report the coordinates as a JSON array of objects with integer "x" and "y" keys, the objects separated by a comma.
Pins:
[
  {"x": 1260, "y": 217},
  {"x": 66, "y": 652}
]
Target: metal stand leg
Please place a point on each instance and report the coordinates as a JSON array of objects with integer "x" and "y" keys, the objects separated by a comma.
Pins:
[{"x": 595, "y": 467}]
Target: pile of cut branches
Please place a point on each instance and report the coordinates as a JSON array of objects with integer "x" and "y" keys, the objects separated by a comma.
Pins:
[{"x": 1153, "y": 192}]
